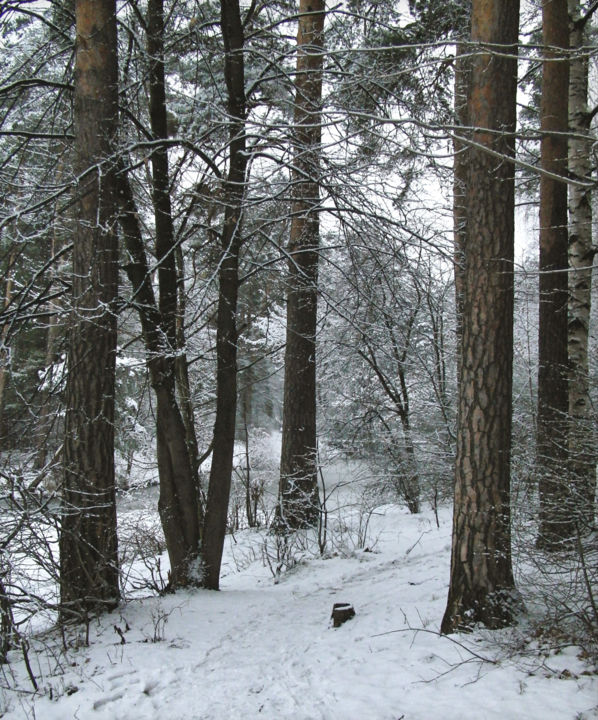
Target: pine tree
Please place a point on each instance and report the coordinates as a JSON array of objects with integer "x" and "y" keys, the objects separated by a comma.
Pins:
[
  {"x": 481, "y": 583},
  {"x": 582, "y": 455},
  {"x": 556, "y": 510},
  {"x": 88, "y": 542},
  {"x": 298, "y": 501}
]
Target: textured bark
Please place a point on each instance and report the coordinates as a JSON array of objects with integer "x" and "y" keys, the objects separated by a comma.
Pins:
[
  {"x": 556, "y": 511},
  {"x": 582, "y": 455},
  {"x": 228, "y": 276},
  {"x": 299, "y": 502},
  {"x": 88, "y": 541},
  {"x": 481, "y": 583},
  {"x": 459, "y": 186}
]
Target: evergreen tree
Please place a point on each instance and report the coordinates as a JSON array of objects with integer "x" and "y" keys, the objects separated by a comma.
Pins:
[
  {"x": 481, "y": 582},
  {"x": 88, "y": 542}
]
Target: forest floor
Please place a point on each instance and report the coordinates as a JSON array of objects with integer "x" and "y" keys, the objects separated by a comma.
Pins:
[{"x": 264, "y": 647}]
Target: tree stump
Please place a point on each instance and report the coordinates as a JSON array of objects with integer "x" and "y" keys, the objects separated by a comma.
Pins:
[{"x": 341, "y": 612}]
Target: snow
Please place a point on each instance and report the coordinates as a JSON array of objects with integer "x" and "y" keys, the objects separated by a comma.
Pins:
[{"x": 264, "y": 647}]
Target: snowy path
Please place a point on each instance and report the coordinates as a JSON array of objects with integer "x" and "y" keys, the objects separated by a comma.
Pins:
[{"x": 263, "y": 650}]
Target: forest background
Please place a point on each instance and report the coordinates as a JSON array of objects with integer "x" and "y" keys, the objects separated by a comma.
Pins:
[{"x": 224, "y": 221}]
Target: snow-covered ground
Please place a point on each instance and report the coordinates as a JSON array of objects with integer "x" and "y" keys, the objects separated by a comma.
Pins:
[{"x": 263, "y": 647}]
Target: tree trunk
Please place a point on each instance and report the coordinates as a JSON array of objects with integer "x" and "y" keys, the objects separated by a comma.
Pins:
[
  {"x": 45, "y": 418},
  {"x": 556, "y": 510},
  {"x": 582, "y": 456},
  {"x": 410, "y": 482},
  {"x": 178, "y": 501},
  {"x": 298, "y": 501},
  {"x": 4, "y": 334},
  {"x": 228, "y": 276},
  {"x": 462, "y": 63},
  {"x": 179, "y": 494},
  {"x": 481, "y": 584},
  {"x": 88, "y": 541},
  {"x": 183, "y": 383}
]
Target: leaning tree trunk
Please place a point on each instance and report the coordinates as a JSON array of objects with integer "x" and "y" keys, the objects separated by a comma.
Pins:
[
  {"x": 582, "y": 455},
  {"x": 481, "y": 584},
  {"x": 298, "y": 501},
  {"x": 178, "y": 502},
  {"x": 556, "y": 507},
  {"x": 228, "y": 276},
  {"x": 88, "y": 541},
  {"x": 183, "y": 383},
  {"x": 179, "y": 498}
]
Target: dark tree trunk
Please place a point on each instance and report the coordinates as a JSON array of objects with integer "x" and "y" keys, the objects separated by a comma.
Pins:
[
  {"x": 228, "y": 276},
  {"x": 165, "y": 245},
  {"x": 183, "y": 383},
  {"x": 4, "y": 333},
  {"x": 582, "y": 439},
  {"x": 299, "y": 502},
  {"x": 556, "y": 511},
  {"x": 481, "y": 584},
  {"x": 459, "y": 186},
  {"x": 178, "y": 502},
  {"x": 88, "y": 541}
]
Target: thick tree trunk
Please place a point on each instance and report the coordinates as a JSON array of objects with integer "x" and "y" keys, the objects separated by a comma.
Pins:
[
  {"x": 226, "y": 335},
  {"x": 88, "y": 541},
  {"x": 556, "y": 510},
  {"x": 459, "y": 187},
  {"x": 582, "y": 454},
  {"x": 299, "y": 502},
  {"x": 481, "y": 583}
]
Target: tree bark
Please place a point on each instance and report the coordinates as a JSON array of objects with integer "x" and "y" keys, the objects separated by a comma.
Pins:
[
  {"x": 556, "y": 507},
  {"x": 88, "y": 542},
  {"x": 459, "y": 187},
  {"x": 582, "y": 456},
  {"x": 298, "y": 495},
  {"x": 481, "y": 583},
  {"x": 228, "y": 276}
]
